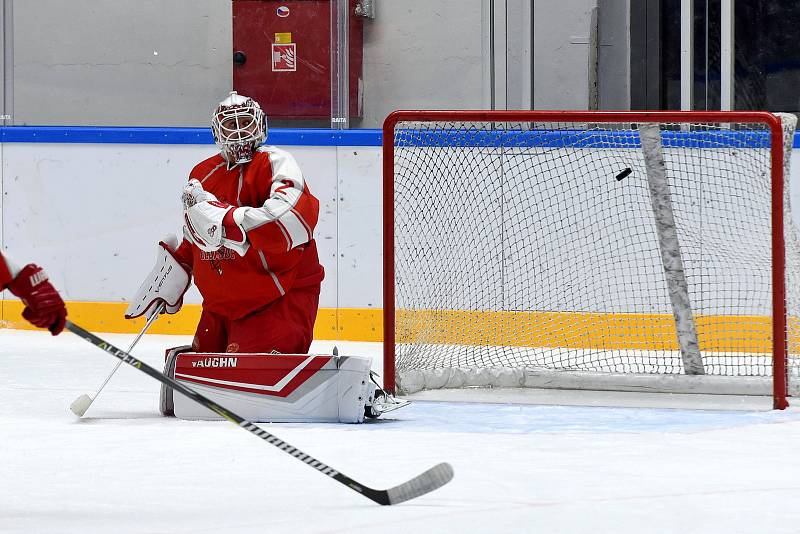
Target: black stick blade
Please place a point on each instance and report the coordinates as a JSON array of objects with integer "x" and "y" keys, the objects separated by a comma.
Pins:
[{"x": 434, "y": 478}]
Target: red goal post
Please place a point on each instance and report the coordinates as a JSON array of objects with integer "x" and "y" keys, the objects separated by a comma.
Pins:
[{"x": 464, "y": 138}]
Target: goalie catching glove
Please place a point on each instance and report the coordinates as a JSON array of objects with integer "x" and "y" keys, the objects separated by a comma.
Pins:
[
  {"x": 211, "y": 224},
  {"x": 167, "y": 283}
]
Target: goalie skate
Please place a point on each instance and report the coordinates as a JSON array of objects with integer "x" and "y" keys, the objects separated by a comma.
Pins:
[{"x": 380, "y": 401}]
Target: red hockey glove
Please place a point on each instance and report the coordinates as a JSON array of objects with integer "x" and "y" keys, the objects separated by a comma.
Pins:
[{"x": 43, "y": 305}]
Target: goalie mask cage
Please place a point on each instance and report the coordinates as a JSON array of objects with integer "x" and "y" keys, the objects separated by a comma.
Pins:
[{"x": 642, "y": 251}]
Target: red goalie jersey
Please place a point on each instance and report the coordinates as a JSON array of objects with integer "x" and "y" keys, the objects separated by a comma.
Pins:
[{"x": 279, "y": 225}]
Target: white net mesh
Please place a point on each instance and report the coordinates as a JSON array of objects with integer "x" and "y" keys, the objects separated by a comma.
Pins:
[{"x": 521, "y": 248}]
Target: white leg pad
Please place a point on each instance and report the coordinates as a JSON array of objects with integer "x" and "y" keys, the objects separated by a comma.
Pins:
[{"x": 272, "y": 387}]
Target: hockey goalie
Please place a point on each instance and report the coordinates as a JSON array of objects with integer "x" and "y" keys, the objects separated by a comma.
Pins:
[{"x": 249, "y": 219}]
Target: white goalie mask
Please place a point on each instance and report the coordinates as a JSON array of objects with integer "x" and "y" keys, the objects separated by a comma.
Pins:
[{"x": 239, "y": 127}]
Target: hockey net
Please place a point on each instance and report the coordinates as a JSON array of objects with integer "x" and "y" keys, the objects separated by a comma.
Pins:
[{"x": 600, "y": 250}]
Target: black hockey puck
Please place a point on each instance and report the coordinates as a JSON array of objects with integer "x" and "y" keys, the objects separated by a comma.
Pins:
[{"x": 624, "y": 173}]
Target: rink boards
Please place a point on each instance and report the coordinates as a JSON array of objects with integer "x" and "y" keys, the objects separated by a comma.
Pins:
[{"x": 92, "y": 211}]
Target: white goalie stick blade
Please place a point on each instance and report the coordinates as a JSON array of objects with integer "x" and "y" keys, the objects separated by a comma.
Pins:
[{"x": 80, "y": 405}]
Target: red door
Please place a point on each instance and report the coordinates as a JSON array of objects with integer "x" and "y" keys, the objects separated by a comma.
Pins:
[{"x": 282, "y": 57}]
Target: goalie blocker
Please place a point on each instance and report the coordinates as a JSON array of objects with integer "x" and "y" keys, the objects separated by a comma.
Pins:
[{"x": 275, "y": 387}]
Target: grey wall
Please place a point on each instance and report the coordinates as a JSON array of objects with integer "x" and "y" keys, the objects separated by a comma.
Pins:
[
  {"x": 561, "y": 48},
  {"x": 6, "y": 67},
  {"x": 422, "y": 54},
  {"x": 123, "y": 62},
  {"x": 167, "y": 63},
  {"x": 561, "y": 54},
  {"x": 614, "y": 54},
  {"x": 519, "y": 49}
]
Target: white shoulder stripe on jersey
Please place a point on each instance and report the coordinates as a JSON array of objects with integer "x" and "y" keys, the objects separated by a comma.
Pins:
[
  {"x": 212, "y": 171},
  {"x": 284, "y": 167}
]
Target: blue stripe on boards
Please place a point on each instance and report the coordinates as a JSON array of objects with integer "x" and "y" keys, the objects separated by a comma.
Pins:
[
  {"x": 102, "y": 134},
  {"x": 180, "y": 136},
  {"x": 596, "y": 138},
  {"x": 546, "y": 138}
]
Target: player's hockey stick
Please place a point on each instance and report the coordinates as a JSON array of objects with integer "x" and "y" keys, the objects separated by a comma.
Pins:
[
  {"x": 435, "y": 477},
  {"x": 82, "y": 403}
]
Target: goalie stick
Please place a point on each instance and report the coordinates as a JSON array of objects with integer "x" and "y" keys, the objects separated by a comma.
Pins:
[
  {"x": 82, "y": 403},
  {"x": 435, "y": 477}
]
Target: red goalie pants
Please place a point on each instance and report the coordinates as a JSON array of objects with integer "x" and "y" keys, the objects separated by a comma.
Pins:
[{"x": 285, "y": 325}]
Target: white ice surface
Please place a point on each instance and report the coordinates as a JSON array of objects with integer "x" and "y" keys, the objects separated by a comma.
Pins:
[{"x": 518, "y": 467}]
